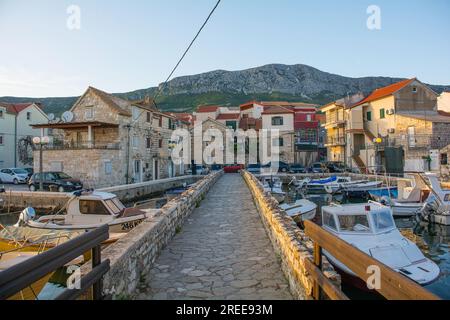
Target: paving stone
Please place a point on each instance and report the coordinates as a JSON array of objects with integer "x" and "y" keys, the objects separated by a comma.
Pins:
[{"x": 222, "y": 252}]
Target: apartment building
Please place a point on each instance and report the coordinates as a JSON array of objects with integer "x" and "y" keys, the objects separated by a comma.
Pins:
[
  {"x": 395, "y": 129},
  {"x": 16, "y": 134}
]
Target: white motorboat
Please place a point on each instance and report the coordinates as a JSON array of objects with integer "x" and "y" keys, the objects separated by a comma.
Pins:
[
  {"x": 358, "y": 186},
  {"x": 301, "y": 210},
  {"x": 412, "y": 194},
  {"x": 88, "y": 210},
  {"x": 274, "y": 185},
  {"x": 437, "y": 207},
  {"x": 371, "y": 228},
  {"x": 331, "y": 185}
]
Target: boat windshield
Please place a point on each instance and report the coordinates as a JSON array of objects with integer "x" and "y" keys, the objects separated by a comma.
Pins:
[
  {"x": 354, "y": 223},
  {"x": 382, "y": 221},
  {"x": 115, "y": 205}
]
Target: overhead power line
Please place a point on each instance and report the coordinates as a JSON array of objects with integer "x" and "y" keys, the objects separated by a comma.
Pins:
[{"x": 182, "y": 57}]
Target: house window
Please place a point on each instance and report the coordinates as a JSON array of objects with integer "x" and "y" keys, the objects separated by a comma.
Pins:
[
  {"x": 89, "y": 113},
  {"x": 1, "y": 140},
  {"x": 149, "y": 143},
  {"x": 170, "y": 124},
  {"x": 231, "y": 124},
  {"x": 444, "y": 159},
  {"x": 308, "y": 118},
  {"x": 148, "y": 116},
  {"x": 135, "y": 141},
  {"x": 382, "y": 113},
  {"x": 277, "y": 121},
  {"x": 160, "y": 143},
  {"x": 108, "y": 167},
  {"x": 369, "y": 116},
  {"x": 414, "y": 89},
  {"x": 278, "y": 142},
  {"x": 28, "y": 116}
]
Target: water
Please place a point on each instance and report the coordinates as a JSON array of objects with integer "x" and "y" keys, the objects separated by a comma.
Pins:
[{"x": 432, "y": 239}]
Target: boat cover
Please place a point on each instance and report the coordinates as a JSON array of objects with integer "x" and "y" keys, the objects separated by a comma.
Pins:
[{"x": 325, "y": 181}]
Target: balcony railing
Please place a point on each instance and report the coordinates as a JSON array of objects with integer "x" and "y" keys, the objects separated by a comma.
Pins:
[
  {"x": 83, "y": 145},
  {"x": 335, "y": 141}
]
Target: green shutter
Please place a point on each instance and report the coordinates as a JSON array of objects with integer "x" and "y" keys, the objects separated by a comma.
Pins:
[
  {"x": 369, "y": 116},
  {"x": 382, "y": 114}
]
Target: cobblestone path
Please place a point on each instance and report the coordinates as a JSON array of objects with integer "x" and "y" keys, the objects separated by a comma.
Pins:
[{"x": 222, "y": 252}]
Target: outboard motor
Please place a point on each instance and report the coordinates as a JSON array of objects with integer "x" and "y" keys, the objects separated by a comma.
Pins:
[
  {"x": 431, "y": 206},
  {"x": 25, "y": 216}
]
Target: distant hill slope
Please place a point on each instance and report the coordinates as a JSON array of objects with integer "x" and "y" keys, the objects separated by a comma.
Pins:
[{"x": 270, "y": 82}]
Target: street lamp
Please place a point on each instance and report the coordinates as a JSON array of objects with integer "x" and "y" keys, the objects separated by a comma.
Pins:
[{"x": 41, "y": 141}]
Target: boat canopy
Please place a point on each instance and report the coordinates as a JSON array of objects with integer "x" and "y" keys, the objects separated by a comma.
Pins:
[{"x": 357, "y": 219}]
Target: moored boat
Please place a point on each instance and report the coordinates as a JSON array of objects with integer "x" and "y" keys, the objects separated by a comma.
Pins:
[
  {"x": 274, "y": 185},
  {"x": 301, "y": 210},
  {"x": 371, "y": 228},
  {"x": 88, "y": 210},
  {"x": 437, "y": 206}
]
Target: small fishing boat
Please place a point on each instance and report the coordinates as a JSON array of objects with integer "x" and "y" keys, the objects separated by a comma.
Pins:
[
  {"x": 331, "y": 185},
  {"x": 301, "y": 210},
  {"x": 371, "y": 228},
  {"x": 274, "y": 186},
  {"x": 10, "y": 259},
  {"x": 361, "y": 186},
  {"x": 88, "y": 210},
  {"x": 411, "y": 196},
  {"x": 437, "y": 207},
  {"x": 379, "y": 193}
]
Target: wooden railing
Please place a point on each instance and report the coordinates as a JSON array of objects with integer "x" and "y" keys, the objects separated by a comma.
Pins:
[
  {"x": 24, "y": 274},
  {"x": 393, "y": 285}
]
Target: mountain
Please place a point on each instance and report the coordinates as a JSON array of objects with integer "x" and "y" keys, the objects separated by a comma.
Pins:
[{"x": 232, "y": 88}]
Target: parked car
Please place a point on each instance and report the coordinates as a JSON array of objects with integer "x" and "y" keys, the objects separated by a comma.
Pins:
[
  {"x": 282, "y": 166},
  {"x": 200, "y": 170},
  {"x": 297, "y": 168},
  {"x": 233, "y": 168},
  {"x": 30, "y": 171},
  {"x": 254, "y": 168},
  {"x": 13, "y": 175},
  {"x": 55, "y": 180},
  {"x": 318, "y": 168},
  {"x": 335, "y": 167}
]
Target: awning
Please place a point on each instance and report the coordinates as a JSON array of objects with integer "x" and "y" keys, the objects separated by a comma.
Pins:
[{"x": 75, "y": 125}]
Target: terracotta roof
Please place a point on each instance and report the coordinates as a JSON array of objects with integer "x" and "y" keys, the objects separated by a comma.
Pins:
[
  {"x": 287, "y": 104},
  {"x": 207, "y": 109},
  {"x": 277, "y": 110},
  {"x": 385, "y": 91},
  {"x": 229, "y": 116},
  {"x": 16, "y": 108}
]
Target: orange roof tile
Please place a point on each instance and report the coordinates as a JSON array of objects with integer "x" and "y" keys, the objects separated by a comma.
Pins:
[
  {"x": 277, "y": 110},
  {"x": 384, "y": 92},
  {"x": 207, "y": 109},
  {"x": 229, "y": 116}
]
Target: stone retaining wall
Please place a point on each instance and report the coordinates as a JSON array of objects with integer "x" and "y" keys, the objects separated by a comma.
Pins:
[
  {"x": 132, "y": 257},
  {"x": 290, "y": 242}
]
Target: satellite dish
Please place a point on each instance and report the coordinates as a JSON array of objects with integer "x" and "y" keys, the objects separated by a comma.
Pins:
[
  {"x": 67, "y": 116},
  {"x": 51, "y": 117}
]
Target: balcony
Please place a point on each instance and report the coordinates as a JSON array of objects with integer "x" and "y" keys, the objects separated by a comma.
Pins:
[
  {"x": 83, "y": 145},
  {"x": 335, "y": 141}
]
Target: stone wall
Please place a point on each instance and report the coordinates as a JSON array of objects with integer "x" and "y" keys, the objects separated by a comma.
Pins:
[
  {"x": 289, "y": 242},
  {"x": 133, "y": 256}
]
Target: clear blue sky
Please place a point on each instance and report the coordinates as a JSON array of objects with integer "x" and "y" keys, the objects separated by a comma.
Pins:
[{"x": 128, "y": 45}]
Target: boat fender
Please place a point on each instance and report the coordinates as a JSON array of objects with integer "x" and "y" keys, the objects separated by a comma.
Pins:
[{"x": 25, "y": 216}]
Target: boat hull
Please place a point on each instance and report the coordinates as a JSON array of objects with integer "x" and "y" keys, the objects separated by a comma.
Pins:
[
  {"x": 405, "y": 210},
  {"x": 439, "y": 219},
  {"x": 305, "y": 216}
]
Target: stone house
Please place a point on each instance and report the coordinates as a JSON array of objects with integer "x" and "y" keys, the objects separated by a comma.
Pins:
[
  {"x": 111, "y": 141},
  {"x": 199, "y": 141},
  {"x": 16, "y": 134},
  {"x": 444, "y": 101}
]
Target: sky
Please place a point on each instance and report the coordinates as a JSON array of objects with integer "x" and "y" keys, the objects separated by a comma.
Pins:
[{"x": 128, "y": 45}]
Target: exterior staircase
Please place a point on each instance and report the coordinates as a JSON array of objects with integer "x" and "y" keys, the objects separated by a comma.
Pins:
[{"x": 360, "y": 163}]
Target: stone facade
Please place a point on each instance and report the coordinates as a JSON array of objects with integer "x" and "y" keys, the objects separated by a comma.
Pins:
[
  {"x": 288, "y": 240},
  {"x": 134, "y": 255},
  {"x": 112, "y": 141}
]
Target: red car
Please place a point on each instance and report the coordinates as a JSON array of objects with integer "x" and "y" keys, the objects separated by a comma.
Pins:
[{"x": 235, "y": 168}]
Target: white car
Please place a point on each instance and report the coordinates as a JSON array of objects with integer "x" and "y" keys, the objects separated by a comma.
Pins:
[{"x": 13, "y": 175}]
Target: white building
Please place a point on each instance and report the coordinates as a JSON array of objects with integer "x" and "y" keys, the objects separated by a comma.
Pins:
[
  {"x": 443, "y": 101},
  {"x": 16, "y": 134}
]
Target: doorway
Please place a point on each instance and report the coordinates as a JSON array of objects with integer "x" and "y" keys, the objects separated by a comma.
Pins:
[
  {"x": 137, "y": 171},
  {"x": 155, "y": 169}
]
